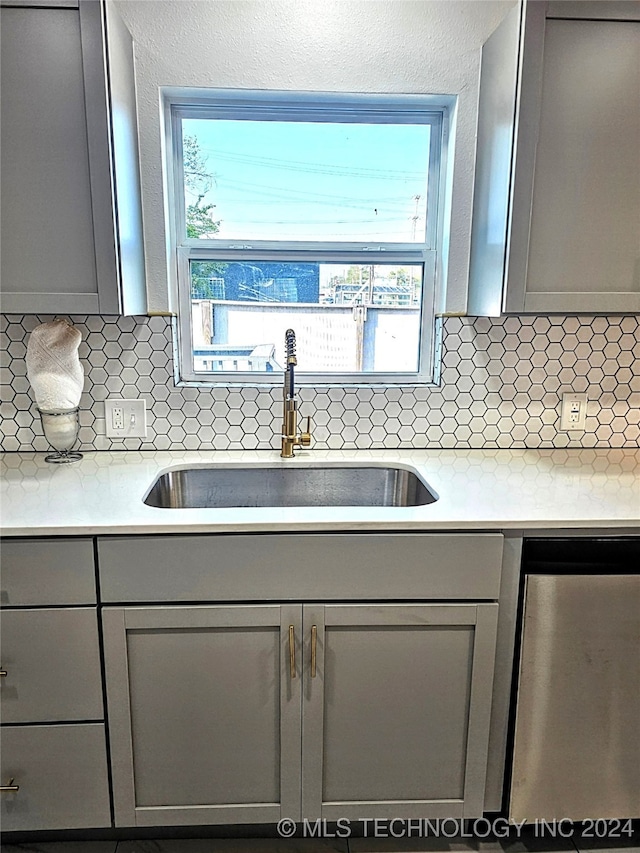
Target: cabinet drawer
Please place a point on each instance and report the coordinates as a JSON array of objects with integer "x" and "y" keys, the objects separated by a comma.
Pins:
[
  {"x": 291, "y": 567},
  {"x": 61, "y": 772},
  {"x": 47, "y": 571},
  {"x": 52, "y": 662}
]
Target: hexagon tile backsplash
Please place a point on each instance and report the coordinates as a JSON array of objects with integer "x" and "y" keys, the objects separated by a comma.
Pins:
[{"x": 501, "y": 384}]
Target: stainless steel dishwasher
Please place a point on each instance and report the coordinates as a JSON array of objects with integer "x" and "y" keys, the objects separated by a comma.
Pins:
[{"x": 576, "y": 749}]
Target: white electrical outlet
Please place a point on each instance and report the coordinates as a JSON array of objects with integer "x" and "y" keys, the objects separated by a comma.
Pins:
[
  {"x": 574, "y": 412},
  {"x": 117, "y": 418},
  {"x": 125, "y": 418}
]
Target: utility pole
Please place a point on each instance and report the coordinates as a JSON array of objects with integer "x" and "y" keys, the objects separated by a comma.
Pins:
[
  {"x": 360, "y": 317},
  {"x": 415, "y": 217}
]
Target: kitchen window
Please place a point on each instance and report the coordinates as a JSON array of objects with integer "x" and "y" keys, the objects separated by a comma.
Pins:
[{"x": 320, "y": 213}]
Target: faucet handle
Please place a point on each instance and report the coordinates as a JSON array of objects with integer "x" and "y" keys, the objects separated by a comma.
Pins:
[{"x": 305, "y": 437}]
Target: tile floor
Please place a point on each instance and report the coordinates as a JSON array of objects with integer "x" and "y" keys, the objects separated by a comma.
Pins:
[{"x": 526, "y": 841}]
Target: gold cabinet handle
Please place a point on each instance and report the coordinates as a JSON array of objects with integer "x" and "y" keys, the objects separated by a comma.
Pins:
[
  {"x": 10, "y": 788},
  {"x": 314, "y": 644},
  {"x": 292, "y": 651},
  {"x": 3, "y": 673}
]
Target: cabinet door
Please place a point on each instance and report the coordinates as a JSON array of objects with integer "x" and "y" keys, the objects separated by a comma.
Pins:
[
  {"x": 60, "y": 776},
  {"x": 396, "y": 716},
  {"x": 584, "y": 244},
  {"x": 48, "y": 254},
  {"x": 52, "y": 661},
  {"x": 556, "y": 222},
  {"x": 47, "y": 571},
  {"x": 204, "y": 713},
  {"x": 71, "y": 212}
]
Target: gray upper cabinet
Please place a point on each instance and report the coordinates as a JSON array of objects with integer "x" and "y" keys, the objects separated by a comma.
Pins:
[
  {"x": 71, "y": 217},
  {"x": 557, "y": 196}
]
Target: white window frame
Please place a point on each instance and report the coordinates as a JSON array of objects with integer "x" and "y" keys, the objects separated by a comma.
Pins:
[{"x": 307, "y": 106}]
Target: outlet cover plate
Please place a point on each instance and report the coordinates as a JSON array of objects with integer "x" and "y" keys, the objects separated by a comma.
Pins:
[
  {"x": 574, "y": 412},
  {"x": 132, "y": 414}
]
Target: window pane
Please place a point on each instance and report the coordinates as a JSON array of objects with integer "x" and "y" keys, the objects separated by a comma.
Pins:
[
  {"x": 293, "y": 180},
  {"x": 348, "y": 318}
]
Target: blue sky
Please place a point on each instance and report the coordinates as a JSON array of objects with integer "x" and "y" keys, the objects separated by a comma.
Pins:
[{"x": 315, "y": 181}]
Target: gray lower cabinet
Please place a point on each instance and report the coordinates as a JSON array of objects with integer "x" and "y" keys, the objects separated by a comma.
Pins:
[
  {"x": 300, "y": 567},
  {"x": 251, "y": 713},
  {"x": 52, "y": 663},
  {"x": 204, "y": 713},
  {"x": 47, "y": 571},
  {"x": 59, "y": 773},
  {"x": 71, "y": 217},
  {"x": 53, "y": 762},
  {"x": 396, "y": 709}
]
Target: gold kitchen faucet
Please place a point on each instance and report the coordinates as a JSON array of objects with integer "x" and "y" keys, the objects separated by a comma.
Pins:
[{"x": 290, "y": 436}]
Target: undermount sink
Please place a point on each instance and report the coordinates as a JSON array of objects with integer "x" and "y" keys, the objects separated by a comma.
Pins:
[{"x": 345, "y": 485}]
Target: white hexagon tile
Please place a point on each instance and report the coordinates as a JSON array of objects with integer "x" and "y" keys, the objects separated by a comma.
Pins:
[{"x": 501, "y": 385}]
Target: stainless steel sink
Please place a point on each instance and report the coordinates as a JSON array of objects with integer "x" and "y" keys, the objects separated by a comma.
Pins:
[{"x": 289, "y": 486}]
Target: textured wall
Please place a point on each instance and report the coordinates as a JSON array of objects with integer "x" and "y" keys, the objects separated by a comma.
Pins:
[
  {"x": 395, "y": 46},
  {"x": 501, "y": 386}
]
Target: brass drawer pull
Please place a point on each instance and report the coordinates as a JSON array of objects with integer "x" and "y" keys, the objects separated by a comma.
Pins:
[
  {"x": 314, "y": 644},
  {"x": 3, "y": 673},
  {"x": 292, "y": 651},
  {"x": 10, "y": 788}
]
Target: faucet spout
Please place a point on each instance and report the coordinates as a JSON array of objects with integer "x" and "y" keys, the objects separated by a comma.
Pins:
[
  {"x": 290, "y": 363},
  {"x": 290, "y": 436}
]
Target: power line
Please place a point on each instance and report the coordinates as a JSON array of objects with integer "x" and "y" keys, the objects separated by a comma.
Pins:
[
  {"x": 343, "y": 236},
  {"x": 405, "y": 198},
  {"x": 316, "y": 168},
  {"x": 303, "y": 197},
  {"x": 244, "y": 221}
]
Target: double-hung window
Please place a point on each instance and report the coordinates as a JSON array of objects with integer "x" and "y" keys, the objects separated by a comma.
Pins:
[{"x": 315, "y": 212}]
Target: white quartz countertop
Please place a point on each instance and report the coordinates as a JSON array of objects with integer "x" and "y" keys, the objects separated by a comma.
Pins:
[{"x": 477, "y": 490}]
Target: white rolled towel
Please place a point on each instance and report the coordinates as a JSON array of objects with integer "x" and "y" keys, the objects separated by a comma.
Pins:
[{"x": 53, "y": 365}]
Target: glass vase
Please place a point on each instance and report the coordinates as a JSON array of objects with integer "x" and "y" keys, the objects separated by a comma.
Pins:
[{"x": 61, "y": 431}]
